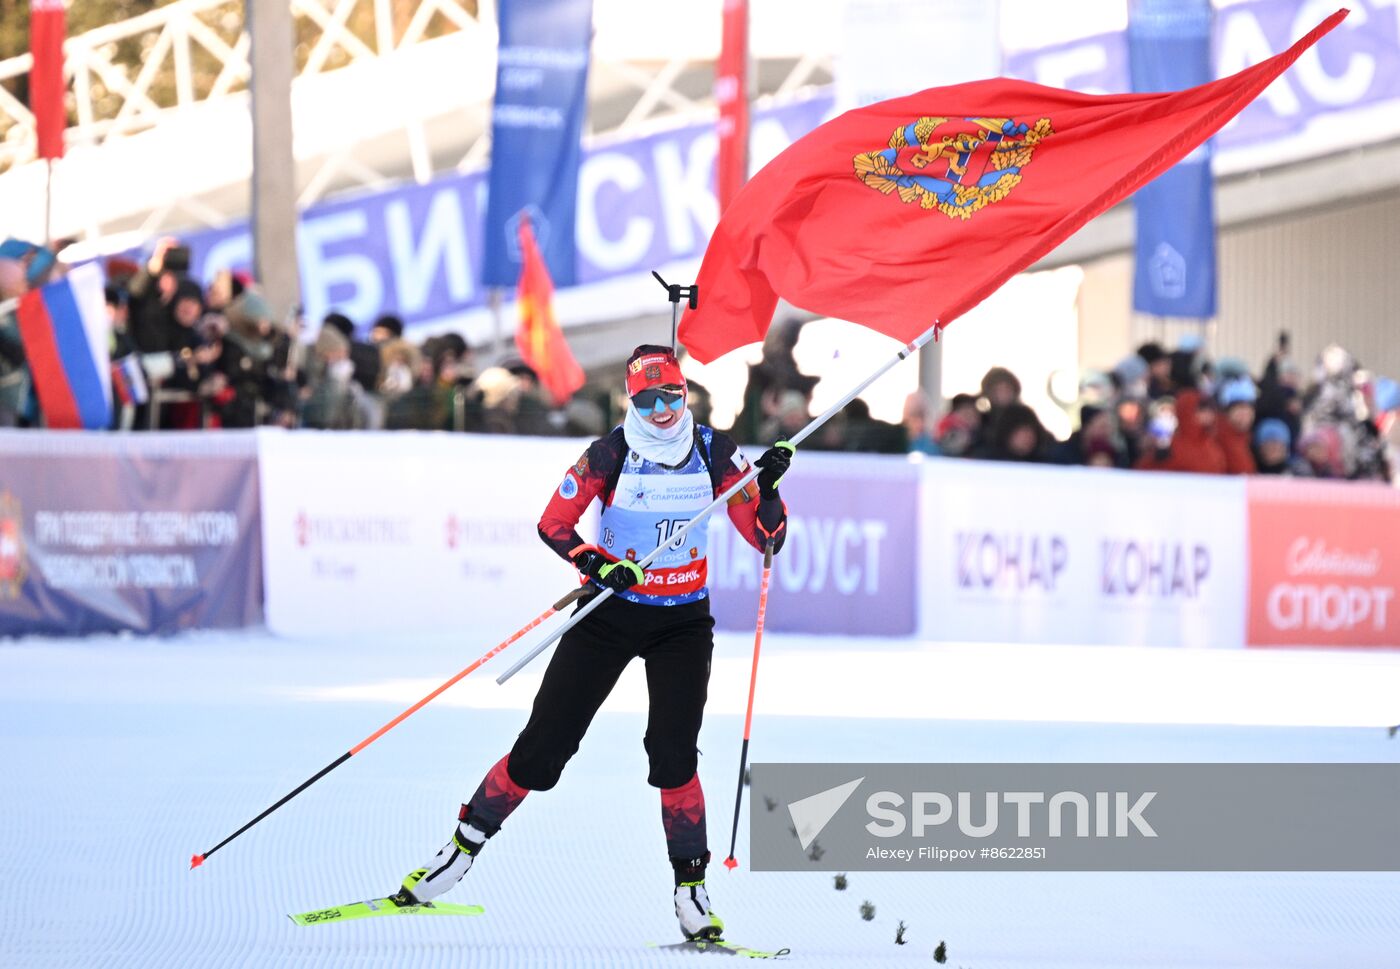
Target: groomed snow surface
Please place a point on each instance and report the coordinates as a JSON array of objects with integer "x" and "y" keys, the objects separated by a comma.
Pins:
[{"x": 122, "y": 757}]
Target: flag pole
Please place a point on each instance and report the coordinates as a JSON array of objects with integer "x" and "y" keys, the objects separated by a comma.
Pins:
[
  {"x": 675, "y": 292},
  {"x": 48, "y": 205},
  {"x": 734, "y": 489}
]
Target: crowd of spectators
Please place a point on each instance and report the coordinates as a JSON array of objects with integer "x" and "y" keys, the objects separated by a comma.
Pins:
[
  {"x": 217, "y": 357},
  {"x": 1160, "y": 410}
]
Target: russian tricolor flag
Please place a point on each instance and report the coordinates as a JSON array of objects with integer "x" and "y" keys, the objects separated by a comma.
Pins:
[{"x": 65, "y": 332}]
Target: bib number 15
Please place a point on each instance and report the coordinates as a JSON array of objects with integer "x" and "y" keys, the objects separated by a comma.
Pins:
[{"x": 668, "y": 527}]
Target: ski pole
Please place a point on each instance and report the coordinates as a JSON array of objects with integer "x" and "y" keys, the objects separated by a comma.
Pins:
[
  {"x": 730, "y": 862},
  {"x": 678, "y": 534},
  {"x": 578, "y": 593}
]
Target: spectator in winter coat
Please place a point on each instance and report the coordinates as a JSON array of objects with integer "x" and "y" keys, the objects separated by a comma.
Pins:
[
  {"x": 865, "y": 433},
  {"x": 1237, "y": 397},
  {"x": 771, "y": 379},
  {"x": 364, "y": 356},
  {"x": 1015, "y": 435},
  {"x": 1159, "y": 370},
  {"x": 387, "y": 327},
  {"x": 1273, "y": 446},
  {"x": 918, "y": 424},
  {"x": 960, "y": 429},
  {"x": 1320, "y": 454},
  {"x": 1096, "y": 436},
  {"x": 1101, "y": 454},
  {"x": 1194, "y": 446}
]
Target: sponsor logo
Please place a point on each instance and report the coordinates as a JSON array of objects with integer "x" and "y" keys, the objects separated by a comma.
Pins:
[
  {"x": 351, "y": 530},
  {"x": 568, "y": 489},
  {"x": 1346, "y": 603},
  {"x": 1010, "y": 562},
  {"x": 1158, "y": 570},
  {"x": 12, "y": 561},
  {"x": 321, "y": 916}
]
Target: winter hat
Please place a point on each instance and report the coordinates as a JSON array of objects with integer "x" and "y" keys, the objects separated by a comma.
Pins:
[
  {"x": 1151, "y": 353},
  {"x": 189, "y": 289},
  {"x": 1190, "y": 342},
  {"x": 1232, "y": 368},
  {"x": 1238, "y": 391},
  {"x": 1100, "y": 446},
  {"x": 342, "y": 323},
  {"x": 1272, "y": 429},
  {"x": 1131, "y": 369},
  {"x": 391, "y": 323},
  {"x": 652, "y": 366}
]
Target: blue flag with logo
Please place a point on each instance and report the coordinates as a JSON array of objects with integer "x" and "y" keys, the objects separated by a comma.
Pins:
[
  {"x": 541, "y": 97},
  {"x": 1174, "y": 265}
]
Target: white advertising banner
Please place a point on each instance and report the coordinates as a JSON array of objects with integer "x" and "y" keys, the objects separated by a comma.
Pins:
[
  {"x": 1081, "y": 556},
  {"x": 408, "y": 532}
]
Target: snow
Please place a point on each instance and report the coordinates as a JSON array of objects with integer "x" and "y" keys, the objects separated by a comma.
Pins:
[{"x": 121, "y": 757}]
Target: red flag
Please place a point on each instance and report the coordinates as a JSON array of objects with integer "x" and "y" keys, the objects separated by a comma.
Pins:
[
  {"x": 46, "y": 32},
  {"x": 905, "y": 214},
  {"x": 539, "y": 339},
  {"x": 732, "y": 93}
]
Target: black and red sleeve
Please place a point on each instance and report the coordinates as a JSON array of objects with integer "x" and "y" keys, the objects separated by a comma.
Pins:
[
  {"x": 587, "y": 479},
  {"x": 757, "y": 518}
]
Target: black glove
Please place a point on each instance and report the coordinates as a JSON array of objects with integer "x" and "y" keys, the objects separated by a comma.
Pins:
[
  {"x": 773, "y": 465},
  {"x": 612, "y": 575}
]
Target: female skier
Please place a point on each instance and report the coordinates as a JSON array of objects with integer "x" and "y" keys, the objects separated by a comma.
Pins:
[{"x": 653, "y": 474}]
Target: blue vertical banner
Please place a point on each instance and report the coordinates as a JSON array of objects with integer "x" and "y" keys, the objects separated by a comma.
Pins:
[
  {"x": 1174, "y": 266},
  {"x": 536, "y": 121}
]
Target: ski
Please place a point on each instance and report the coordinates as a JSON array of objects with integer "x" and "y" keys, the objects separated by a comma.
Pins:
[
  {"x": 721, "y": 947},
  {"x": 381, "y": 906}
]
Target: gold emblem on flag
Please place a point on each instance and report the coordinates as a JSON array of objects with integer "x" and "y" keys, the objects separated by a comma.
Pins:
[{"x": 954, "y": 165}]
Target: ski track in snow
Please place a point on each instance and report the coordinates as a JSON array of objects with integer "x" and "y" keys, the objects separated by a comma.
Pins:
[{"x": 121, "y": 757}]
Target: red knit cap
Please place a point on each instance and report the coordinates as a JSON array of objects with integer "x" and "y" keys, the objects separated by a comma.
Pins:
[{"x": 652, "y": 366}]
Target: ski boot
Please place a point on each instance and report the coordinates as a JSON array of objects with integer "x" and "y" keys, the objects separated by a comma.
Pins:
[
  {"x": 693, "y": 912},
  {"x": 447, "y": 867}
]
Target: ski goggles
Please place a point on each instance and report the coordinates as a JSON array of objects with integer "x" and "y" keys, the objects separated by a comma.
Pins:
[{"x": 657, "y": 401}]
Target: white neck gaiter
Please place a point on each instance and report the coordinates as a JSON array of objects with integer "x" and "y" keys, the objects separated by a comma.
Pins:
[{"x": 660, "y": 445}]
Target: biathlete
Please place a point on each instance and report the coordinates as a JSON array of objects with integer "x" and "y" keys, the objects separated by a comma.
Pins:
[{"x": 653, "y": 474}]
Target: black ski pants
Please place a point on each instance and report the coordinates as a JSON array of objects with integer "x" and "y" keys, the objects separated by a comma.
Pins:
[{"x": 675, "y": 642}]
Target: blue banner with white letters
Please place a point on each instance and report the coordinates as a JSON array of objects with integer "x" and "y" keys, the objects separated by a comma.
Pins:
[
  {"x": 541, "y": 99},
  {"x": 1174, "y": 261},
  {"x": 417, "y": 250}
]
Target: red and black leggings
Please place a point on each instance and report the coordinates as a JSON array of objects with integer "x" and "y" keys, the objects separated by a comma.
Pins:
[{"x": 675, "y": 642}]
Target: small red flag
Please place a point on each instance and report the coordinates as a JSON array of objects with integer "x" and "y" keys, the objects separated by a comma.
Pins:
[
  {"x": 732, "y": 93},
  {"x": 539, "y": 339},
  {"x": 47, "y": 28},
  {"x": 907, "y": 213}
]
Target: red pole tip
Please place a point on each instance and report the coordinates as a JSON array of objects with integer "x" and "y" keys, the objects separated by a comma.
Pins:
[
  {"x": 729, "y": 863},
  {"x": 196, "y": 861}
]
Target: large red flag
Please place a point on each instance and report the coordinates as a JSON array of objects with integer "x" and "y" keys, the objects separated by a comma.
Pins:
[
  {"x": 539, "y": 339},
  {"x": 732, "y": 93},
  {"x": 905, "y": 214},
  {"x": 47, "y": 28}
]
